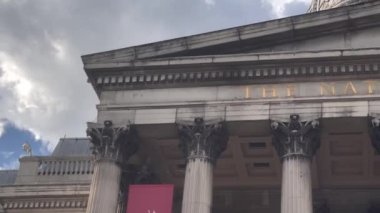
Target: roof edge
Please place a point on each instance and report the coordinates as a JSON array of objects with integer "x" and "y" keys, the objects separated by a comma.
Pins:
[
  {"x": 234, "y": 34},
  {"x": 232, "y": 58}
]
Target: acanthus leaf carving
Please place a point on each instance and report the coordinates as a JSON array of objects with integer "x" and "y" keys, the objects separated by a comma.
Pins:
[
  {"x": 374, "y": 132},
  {"x": 201, "y": 140},
  {"x": 114, "y": 143},
  {"x": 296, "y": 138}
]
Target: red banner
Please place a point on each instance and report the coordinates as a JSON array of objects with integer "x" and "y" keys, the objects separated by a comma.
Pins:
[{"x": 150, "y": 199}]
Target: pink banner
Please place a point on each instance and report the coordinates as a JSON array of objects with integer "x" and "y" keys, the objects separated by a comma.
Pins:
[{"x": 150, "y": 199}]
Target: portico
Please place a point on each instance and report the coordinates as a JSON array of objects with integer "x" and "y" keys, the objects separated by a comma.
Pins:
[{"x": 278, "y": 117}]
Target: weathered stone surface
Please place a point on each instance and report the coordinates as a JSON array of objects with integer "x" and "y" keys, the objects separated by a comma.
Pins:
[
  {"x": 112, "y": 148},
  {"x": 54, "y": 170},
  {"x": 201, "y": 140},
  {"x": 374, "y": 131},
  {"x": 104, "y": 193},
  {"x": 296, "y": 138},
  {"x": 296, "y": 142},
  {"x": 318, "y": 5},
  {"x": 296, "y": 192},
  {"x": 198, "y": 186},
  {"x": 112, "y": 143},
  {"x": 201, "y": 143},
  {"x": 282, "y": 31},
  {"x": 44, "y": 198}
]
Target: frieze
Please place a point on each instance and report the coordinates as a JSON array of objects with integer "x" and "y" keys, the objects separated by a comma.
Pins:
[
  {"x": 44, "y": 203},
  {"x": 222, "y": 75},
  {"x": 314, "y": 89}
]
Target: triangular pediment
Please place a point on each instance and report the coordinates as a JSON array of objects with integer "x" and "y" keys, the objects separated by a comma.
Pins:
[{"x": 341, "y": 28}]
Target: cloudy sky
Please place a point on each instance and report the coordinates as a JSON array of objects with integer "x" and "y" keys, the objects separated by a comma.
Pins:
[{"x": 43, "y": 89}]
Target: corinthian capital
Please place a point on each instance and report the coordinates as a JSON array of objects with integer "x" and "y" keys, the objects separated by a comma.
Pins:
[
  {"x": 113, "y": 143},
  {"x": 201, "y": 140},
  {"x": 296, "y": 137},
  {"x": 374, "y": 130}
]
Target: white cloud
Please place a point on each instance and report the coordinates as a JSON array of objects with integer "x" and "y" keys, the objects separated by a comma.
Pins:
[
  {"x": 10, "y": 165},
  {"x": 6, "y": 154},
  {"x": 210, "y": 2},
  {"x": 279, "y": 6},
  {"x": 12, "y": 78},
  {"x": 27, "y": 101},
  {"x": 58, "y": 46},
  {"x": 2, "y": 127}
]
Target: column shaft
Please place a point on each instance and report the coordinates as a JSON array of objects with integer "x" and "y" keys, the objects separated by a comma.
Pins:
[
  {"x": 296, "y": 142},
  {"x": 296, "y": 194},
  {"x": 197, "y": 195},
  {"x": 201, "y": 143},
  {"x": 104, "y": 190},
  {"x": 112, "y": 146}
]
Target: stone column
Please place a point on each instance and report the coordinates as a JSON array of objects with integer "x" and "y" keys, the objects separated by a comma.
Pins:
[
  {"x": 296, "y": 142},
  {"x": 374, "y": 132},
  {"x": 202, "y": 143},
  {"x": 112, "y": 146}
]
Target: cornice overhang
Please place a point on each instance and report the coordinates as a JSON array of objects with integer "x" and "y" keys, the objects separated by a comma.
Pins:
[
  {"x": 236, "y": 69},
  {"x": 236, "y": 40}
]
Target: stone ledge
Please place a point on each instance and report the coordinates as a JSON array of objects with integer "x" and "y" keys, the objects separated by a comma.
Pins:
[{"x": 231, "y": 74}]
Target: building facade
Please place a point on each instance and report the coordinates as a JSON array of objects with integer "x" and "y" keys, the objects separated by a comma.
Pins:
[
  {"x": 318, "y": 5},
  {"x": 280, "y": 116}
]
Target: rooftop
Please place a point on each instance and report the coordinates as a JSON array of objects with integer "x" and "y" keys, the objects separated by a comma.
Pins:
[
  {"x": 7, "y": 177},
  {"x": 72, "y": 147}
]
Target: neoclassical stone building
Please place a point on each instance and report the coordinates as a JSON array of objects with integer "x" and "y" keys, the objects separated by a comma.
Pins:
[{"x": 280, "y": 116}]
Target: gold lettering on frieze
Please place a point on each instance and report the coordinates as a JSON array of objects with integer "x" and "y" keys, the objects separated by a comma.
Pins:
[
  {"x": 290, "y": 90},
  {"x": 311, "y": 89},
  {"x": 269, "y": 90},
  {"x": 327, "y": 89},
  {"x": 247, "y": 92},
  {"x": 350, "y": 89},
  {"x": 371, "y": 87}
]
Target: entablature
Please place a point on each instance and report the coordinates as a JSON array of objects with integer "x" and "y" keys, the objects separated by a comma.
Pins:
[{"x": 236, "y": 70}]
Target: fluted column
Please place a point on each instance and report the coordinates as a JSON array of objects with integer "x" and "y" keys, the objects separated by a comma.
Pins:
[
  {"x": 374, "y": 132},
  {"x": 202, "y": 143},
  {"x": 296, "y": 142},
  {"x": 111, "y": 146}
]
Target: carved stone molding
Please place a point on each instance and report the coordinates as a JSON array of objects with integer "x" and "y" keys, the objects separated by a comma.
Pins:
[
  {"x": 148, "y": 79},
  {"x": 201, "y": 140},
  {"x": 296, "y": 138},
  {"x": 374, "y": 132},
  {"x": 318, "y": 5},
  {"x": 45, "y": 203},
  {"x": 112, "y": 143}
]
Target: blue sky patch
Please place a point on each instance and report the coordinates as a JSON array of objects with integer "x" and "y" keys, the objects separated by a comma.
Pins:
[{"x": 11, "y": 143}]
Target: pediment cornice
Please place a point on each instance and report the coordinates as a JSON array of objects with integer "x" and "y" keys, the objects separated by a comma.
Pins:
[
  {"x": 245, "y": 38},
  {"x": 237, "y": 70}
]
